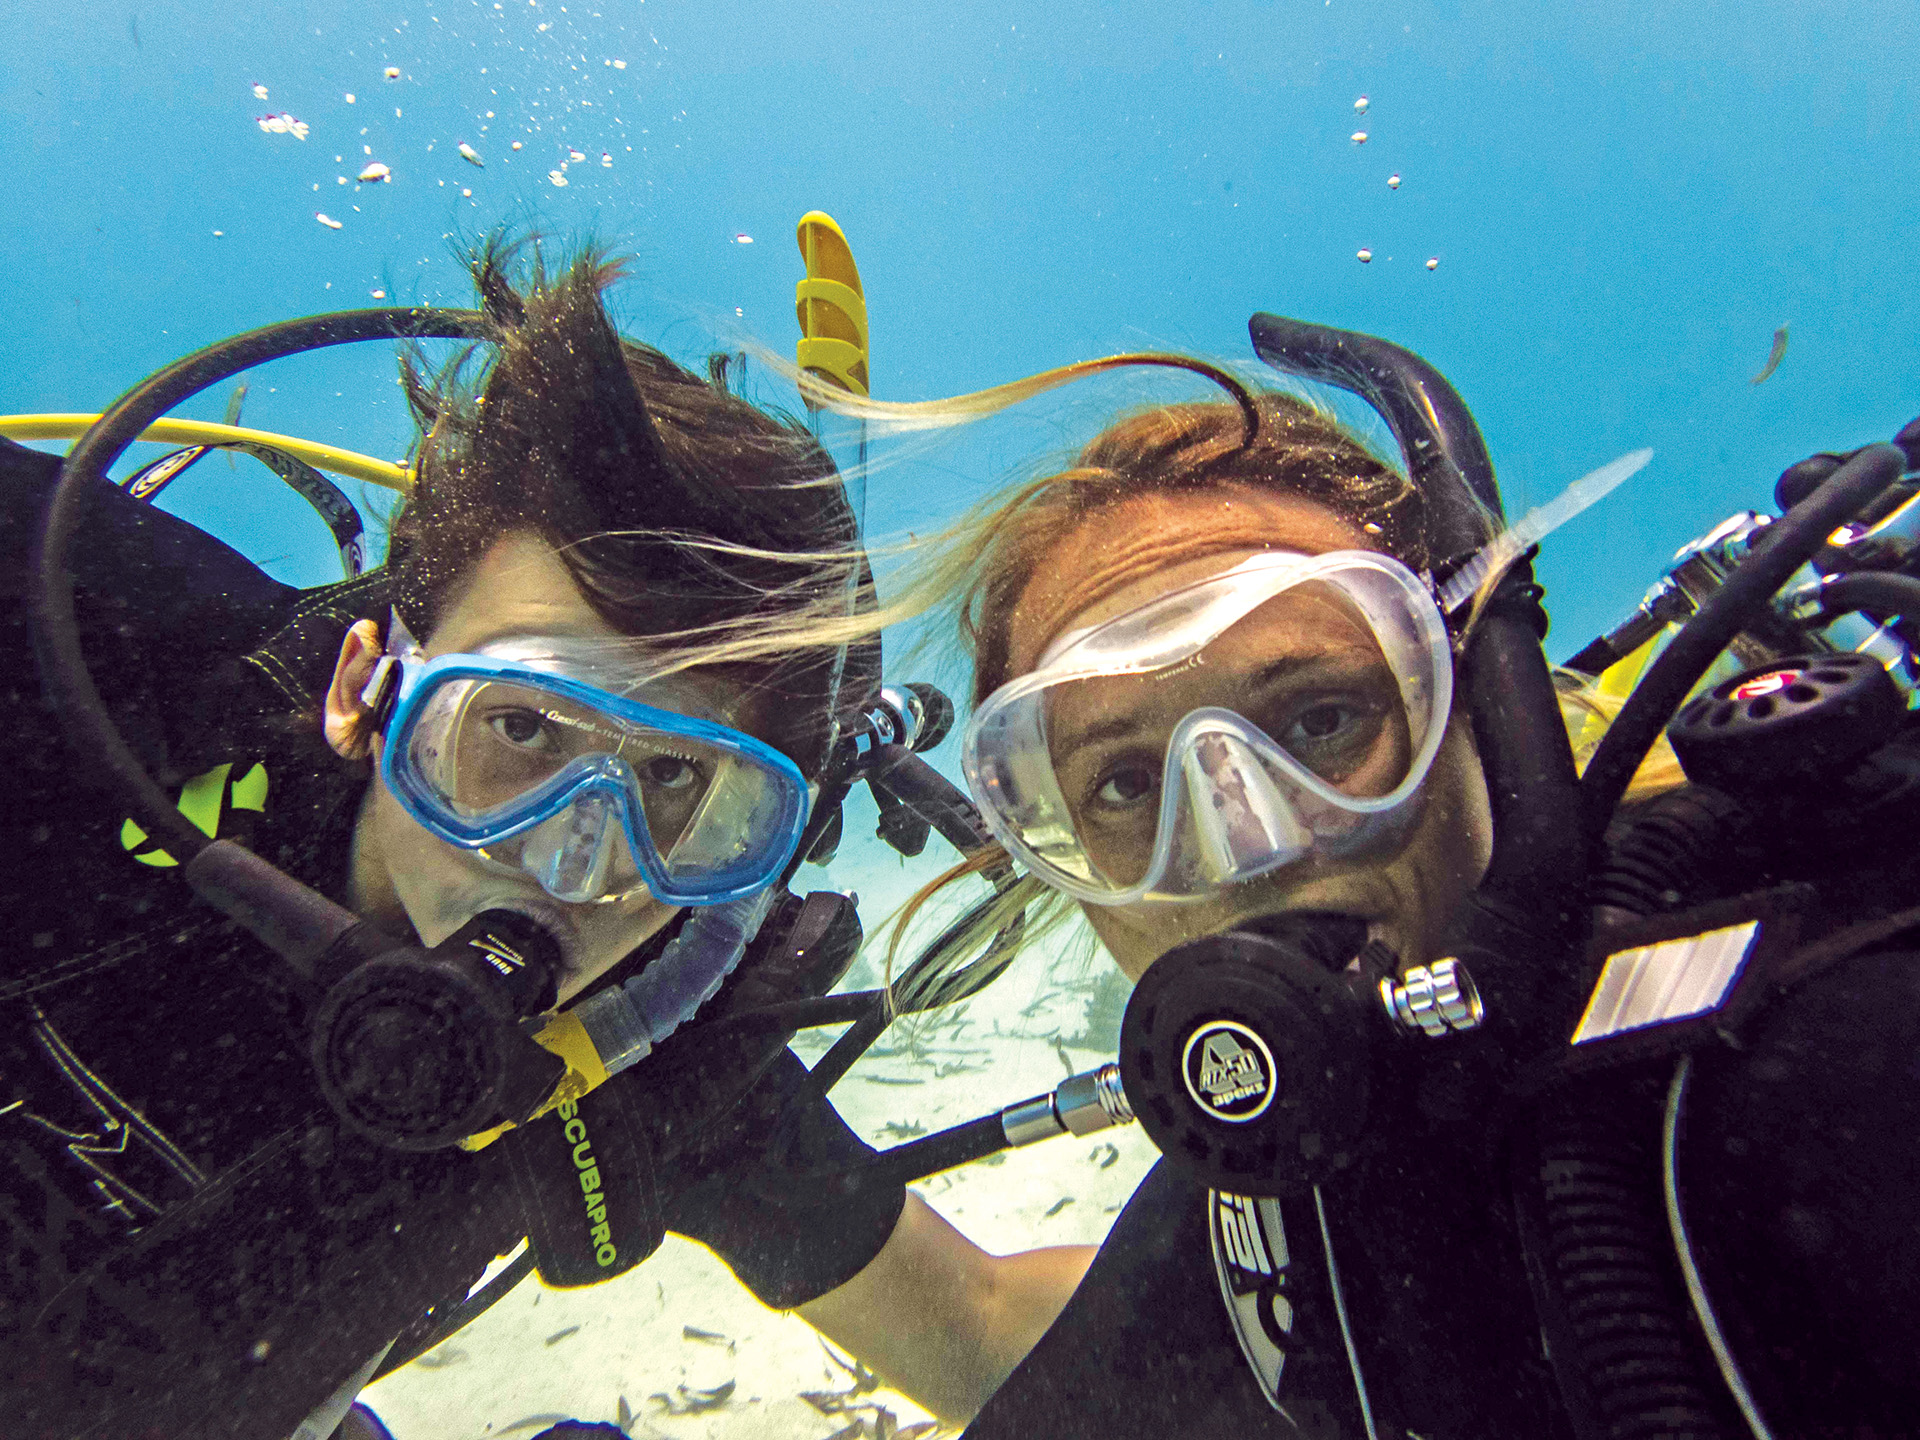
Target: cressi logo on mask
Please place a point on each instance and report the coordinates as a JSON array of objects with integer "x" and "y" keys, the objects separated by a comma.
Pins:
[
  {"x": 1229, "y": 1071},
  {"x": 600, "y": 1234}
]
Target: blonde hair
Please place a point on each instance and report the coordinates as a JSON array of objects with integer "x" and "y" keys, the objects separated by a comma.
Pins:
[{"x": 975, "y": 568}]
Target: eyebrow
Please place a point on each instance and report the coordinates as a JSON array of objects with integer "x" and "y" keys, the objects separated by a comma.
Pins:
[{"x": 1127, "y": 721}]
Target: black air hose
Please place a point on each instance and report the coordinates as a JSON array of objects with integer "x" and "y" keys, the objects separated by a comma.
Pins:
[
  {"x": 1788, "y": 545},
  {"x": 1875, "y": 591},
  {"x": 1613, "y": 1304},
  {"x": 1656, "y": 859},
  {"x": 1612, "y": 1301}
]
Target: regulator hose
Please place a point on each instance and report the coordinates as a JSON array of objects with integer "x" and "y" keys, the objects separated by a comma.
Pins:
[
  {"x": 89, "y": 726},
  {"x": 1789, "y": 544},
  {"x": 1877, "y": 592}
]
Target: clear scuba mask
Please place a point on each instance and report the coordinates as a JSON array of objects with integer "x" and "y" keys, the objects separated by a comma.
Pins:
[
  {"x": 1281, "y": 712},
  {"x": 556, "y": 759}
]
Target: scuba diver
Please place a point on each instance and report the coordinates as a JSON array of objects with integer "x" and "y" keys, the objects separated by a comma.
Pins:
[
  {"x": 362, "y": 931},
  {"x": 1496, "y": 1097}
]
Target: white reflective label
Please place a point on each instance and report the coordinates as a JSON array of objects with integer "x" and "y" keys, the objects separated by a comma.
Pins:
[{"x": 1675, "y": 979}]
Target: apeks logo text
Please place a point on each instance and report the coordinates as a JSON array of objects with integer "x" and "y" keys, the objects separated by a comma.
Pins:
[{"x": 600, "y": 1234}]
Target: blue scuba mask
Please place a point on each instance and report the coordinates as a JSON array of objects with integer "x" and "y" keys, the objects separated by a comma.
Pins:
[{"x": 562, "y": 758}]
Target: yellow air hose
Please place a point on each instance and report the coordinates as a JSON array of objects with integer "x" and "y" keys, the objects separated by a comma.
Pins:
[{"x": 199, "y": 432}]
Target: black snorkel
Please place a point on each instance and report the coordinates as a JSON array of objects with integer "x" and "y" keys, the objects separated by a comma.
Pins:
[
  {"x": 414, "y": 1048},
  {"x": 1256, "y": 1056}
]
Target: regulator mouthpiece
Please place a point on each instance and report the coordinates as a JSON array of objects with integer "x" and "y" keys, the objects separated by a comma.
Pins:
[{"x": 418, "y": 1049}]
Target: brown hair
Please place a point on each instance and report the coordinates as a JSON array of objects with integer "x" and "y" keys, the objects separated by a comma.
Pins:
[
  {"x": 1189, "y": 448},
  {"x": 680, "y": 510}
]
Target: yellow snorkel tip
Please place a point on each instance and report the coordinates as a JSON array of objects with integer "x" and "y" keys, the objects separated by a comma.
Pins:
[{"x": 831, "y": 306}]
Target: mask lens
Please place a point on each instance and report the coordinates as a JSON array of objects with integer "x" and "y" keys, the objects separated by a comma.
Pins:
[{"x": 488, "y": 746}]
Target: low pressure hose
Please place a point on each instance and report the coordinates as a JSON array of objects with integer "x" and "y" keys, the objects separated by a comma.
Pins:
[
  {"x": 1877, "y": 592},
  {"x": 1789, "y": 544},
  {"x": 88, "y": 723}
]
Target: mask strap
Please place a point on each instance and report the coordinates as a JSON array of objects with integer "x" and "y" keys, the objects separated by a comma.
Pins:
[{"x": 382, "y": 689}]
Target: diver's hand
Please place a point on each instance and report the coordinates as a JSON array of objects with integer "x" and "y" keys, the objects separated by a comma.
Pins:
[{"x": 944, "y": 1321}]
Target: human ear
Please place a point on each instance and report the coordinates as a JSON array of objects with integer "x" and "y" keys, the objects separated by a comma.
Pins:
[{"x": 347, "y": 715}]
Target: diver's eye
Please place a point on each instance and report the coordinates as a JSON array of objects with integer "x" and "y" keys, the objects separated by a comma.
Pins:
[
  {"x": 1322, "y": 722},
  {"x": 518, "y": 727},
  {"x": 1126, "y": 786},
  {"x": 670, "y": 772},
  {"x": 1332, "y": 736}
]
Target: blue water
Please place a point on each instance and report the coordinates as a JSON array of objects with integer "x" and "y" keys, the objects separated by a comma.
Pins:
[{"x": 1624, "y": 201}]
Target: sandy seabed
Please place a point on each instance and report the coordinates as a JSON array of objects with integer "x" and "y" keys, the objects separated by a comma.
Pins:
[{"x": 679, "y": 1327}]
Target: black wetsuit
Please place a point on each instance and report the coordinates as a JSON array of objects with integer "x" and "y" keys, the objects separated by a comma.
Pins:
[
  {"x": 1797, "y": 1170},
  {"x": 191, "y": 1245}
]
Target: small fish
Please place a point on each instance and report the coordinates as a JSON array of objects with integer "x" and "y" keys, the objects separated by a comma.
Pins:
[
  {"x": 1365, "y": 257},
  {"x": 903, "y": 1129},
  {"x": 470, "y": 155},
  {"x": 893, "y": 1080},
  {"x": 696, "y": 1402},
  {"x": 1360, "y": 105},
  {"x": 1393, "y": 182},
  {"x": 392, "y": 72},
  {"x": 917, "y": 1432},
  {"x": 1433, "y": 262},
  {"x": 743, "y": 239},
  {"x": 234, "y": 402},
  {"x": 375, "y": 171},
  {"x": 573, "y": 154},
  {"x": 533, "y": 1420},
  {"x": 705, "y": 1337},
  {"x": 379, "y": 294},
  {"x": 1359, "y": 137},
  {"x": 560, "y": 1335},
  {"x": 1058, "y": 1205},
  {"x": 283, "y": 124},
  {"x": 624, "y": 1416},
  {"x": 259, "y": 91},
  {"x": 326, "y": 220},
  {"x": 1774, "y": 356},
  {"x": 441, "y": 1358},
  {"x": 1107, "y": 1154},
  {"x": 606, "y": 160},
  {"x": 619, "y": 64},
  {"x": 350, "y": 97},
  {"x": 558, "y": 178}
]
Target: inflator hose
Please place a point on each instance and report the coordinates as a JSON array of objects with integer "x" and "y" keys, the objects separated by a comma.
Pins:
[
  {"x": 1613, "y": 1305},
  {"x": 1875, "y": 591},
  {"x": 89, "y": 727},
  {"x": 1788, "y": 545}
]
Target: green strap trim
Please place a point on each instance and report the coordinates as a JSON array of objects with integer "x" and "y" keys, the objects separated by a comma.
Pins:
[
  {"x": 200, "y": 801},
  {"x": 250, "y": 790}
]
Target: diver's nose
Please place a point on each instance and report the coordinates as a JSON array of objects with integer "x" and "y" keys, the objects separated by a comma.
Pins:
[
  {"x": 1243, "y": 823},
  {"x": 571, "y": 854}
]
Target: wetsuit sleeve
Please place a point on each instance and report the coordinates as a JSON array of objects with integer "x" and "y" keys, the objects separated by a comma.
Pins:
[{"x": 788, "y": 1240}]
